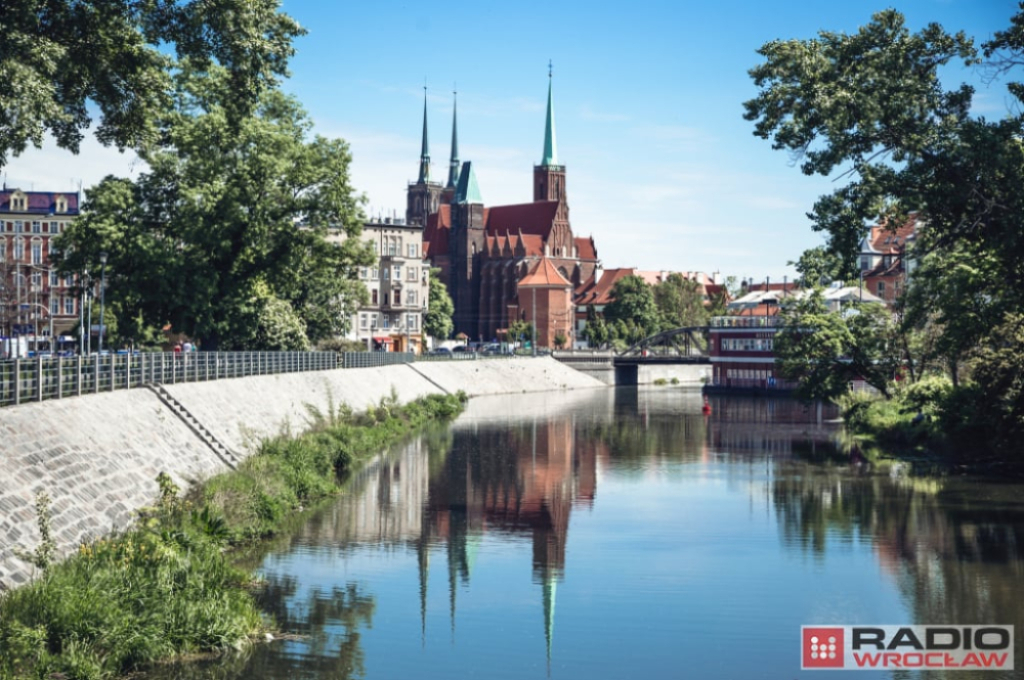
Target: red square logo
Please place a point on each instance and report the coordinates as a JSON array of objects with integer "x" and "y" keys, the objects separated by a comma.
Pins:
[{"x": 821, "y": 647}]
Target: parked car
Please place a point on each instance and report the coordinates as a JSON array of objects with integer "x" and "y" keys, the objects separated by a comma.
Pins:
[
  {"x": 440, "y": 351},
  {"x": 460, "y": 348}
]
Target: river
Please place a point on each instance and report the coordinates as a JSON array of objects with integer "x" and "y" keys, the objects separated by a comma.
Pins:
[{"x": 623, "y": 534}]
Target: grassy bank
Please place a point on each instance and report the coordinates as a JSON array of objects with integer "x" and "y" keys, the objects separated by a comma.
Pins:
[{"x": 167, "y": 587}]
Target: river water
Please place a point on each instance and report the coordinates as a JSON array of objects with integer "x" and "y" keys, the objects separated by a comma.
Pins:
[{"x": 624, "y": 534}]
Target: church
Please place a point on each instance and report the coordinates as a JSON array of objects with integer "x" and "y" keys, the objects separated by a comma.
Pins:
[{"x": 509, "y": 262}]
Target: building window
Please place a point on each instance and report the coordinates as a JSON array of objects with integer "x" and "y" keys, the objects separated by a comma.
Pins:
[
  {"x": 363, "y": 272},
  {"x": 411, "y": 276},
  {"x": 19, "y": 249},
  {"x": 54, "y": 279},
  {"x": 410, "y": 297},
  {"x": 881, "y": 289},
  {"x": 19, "y": 226},
  {"x": 398, "y": 272},
  {"x": 54, "y": 304},
  {"x": 62, "y": 204},
  {"x": 865, "y": 263},
  {"x": 387, "y": 272},
  {"x": 37, "y": 281},
  {"x": 387, "y": 320},
  {"x": 375, "y": 274},
  {"x": 373, "y": 296},
  {"x": 363, "y": 322},
  {"x": 412, "y": 250},
  {"x": 69, "y": 280},
  {"x": 69, "y": 306},
  {"x": 373, "y": 322},
  {"x": 37, "y": 252},
  {"x": 3, "y": 249},
  {"x": 410, "y": 322},
  {"x": 37, "y": 228},
  {"x": 386, "y": 298}
]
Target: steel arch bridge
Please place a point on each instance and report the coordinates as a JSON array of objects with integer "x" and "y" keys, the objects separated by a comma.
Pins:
[{"x": 687, "y": 344}]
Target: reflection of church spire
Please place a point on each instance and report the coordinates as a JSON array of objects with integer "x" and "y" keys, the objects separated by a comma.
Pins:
[
  {"x": 550, "y": 585},
  {"x": 423, "y": 555}
]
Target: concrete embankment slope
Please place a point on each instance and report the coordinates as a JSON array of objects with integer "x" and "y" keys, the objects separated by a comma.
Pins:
[{"x": 97, "y": 456}]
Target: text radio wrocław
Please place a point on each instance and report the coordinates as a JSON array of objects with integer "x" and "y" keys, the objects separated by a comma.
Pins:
[{"x": 867, "y": 647}]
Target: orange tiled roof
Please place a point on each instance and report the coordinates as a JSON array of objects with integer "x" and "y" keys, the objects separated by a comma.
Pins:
[
  {"x": 586, "y": 248},
  {"x": 890, "y": 241},
  {"x": 544, "y": 274}
]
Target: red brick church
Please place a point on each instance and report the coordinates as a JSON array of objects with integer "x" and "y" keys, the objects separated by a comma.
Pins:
[{"x": 508, "y": 262}]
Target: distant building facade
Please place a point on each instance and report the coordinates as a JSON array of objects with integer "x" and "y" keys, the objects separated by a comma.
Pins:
[
  {"x": 885, "y": 261},
  {"x": 32, "y": 297},
  {"x": 398, "y": 285}
]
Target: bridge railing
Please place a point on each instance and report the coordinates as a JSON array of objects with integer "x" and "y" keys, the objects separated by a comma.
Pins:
[{"x": 40, "y": 378}]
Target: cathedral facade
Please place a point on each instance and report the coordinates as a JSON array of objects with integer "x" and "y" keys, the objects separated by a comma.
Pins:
[{"x": 509, "y": 262}]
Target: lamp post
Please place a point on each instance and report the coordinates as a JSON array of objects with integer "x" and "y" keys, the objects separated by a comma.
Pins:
[{"x": 103, "y": 295}]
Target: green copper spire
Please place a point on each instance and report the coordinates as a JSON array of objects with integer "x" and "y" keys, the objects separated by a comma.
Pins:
[
  {"x": 550, "y": 150},
  {"x": 468, "y": 190},
  {"x": 453, "y": 166},
  {"x": 425, "y": 151}
]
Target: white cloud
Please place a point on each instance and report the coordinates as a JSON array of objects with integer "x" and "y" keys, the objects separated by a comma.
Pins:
[{"x": 54, "y": 169}]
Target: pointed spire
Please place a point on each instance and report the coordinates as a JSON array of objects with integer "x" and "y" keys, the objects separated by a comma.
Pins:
[
  {"x": 425, "y": 150},
  {"x": 468, "y": 190},
  {"x": 550, "y": 150},
  {"x": 453, "y": 166}
]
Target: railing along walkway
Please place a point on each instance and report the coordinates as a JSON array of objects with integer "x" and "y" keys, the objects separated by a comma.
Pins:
[{"x": 41, "y": 378}]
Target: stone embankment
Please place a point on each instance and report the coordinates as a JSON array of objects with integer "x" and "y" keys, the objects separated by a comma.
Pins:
[{"x": 98, "y": 456}]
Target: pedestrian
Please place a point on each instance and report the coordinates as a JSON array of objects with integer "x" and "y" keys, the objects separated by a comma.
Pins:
[
  {"x": 177, "y": 349},
  {"x": 187, "y": 347}
]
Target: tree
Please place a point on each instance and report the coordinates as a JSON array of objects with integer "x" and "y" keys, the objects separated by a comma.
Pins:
[
  {"x": 437, "y": 322},
  {"x": 633, "y": 301},
  {"x": 61, "y": 60},
  {"x": 520, "y": 331},
  {"x": 211, "y": 234},
  {"x": 596, "y": 331},
  {"x": 825, "y": 350},
  {"x": 680, "y": 302},
  {"x": 560, "y": 340},
  {"x": 870, "y": 107}
]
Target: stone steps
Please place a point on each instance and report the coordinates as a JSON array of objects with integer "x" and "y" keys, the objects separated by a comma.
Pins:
[{"x": 230, "y": 458}]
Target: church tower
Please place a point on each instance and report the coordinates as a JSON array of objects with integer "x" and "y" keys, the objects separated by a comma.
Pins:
[
  {"x": 467, "y": 245},
  {"x": 423, "y": 197},
  {"x": 549, "y": 183}
]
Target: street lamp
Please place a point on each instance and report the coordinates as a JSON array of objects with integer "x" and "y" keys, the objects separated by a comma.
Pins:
[{"x": 103, "y": 296}]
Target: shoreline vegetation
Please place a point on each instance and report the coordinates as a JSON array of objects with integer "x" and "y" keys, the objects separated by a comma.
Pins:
[
  {"x": 930, "y": 419},
  {"x": 167, "y": 587}
]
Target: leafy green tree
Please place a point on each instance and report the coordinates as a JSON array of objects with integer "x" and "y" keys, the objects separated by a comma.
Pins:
[
  {"x": 560, "y": 340},
  {"x": 824, "y": 350},
  {"x": 218, "y": 215},
  {"x": 870, "y": 107},
  {"x": 633, "y": 301},
  {"x": 61, "y": 61},
  {"x": 520, "y": 331},
  {"x": 437, "y": 322},
  {"x": 817, "y": 266},
  {"x": 596, "y": 331},
  {"x": 680, "y": 302}
]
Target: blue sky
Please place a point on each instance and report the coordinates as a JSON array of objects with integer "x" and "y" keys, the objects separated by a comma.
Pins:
[{"x": 662, "y": 170}]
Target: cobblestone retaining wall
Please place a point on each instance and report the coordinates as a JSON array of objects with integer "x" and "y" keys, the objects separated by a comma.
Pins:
[{"x": 98, "y": 456}]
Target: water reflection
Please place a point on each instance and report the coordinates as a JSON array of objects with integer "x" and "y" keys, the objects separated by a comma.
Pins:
[{"x": 666, "y": 537}]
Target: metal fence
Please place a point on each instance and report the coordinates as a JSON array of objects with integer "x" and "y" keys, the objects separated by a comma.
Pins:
[
  {"x": 39, "y": 378},
  {"x": 36, "y": 379}
]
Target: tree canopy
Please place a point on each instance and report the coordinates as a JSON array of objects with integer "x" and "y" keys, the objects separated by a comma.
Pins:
[
  {"x": 869, "y": 108},
  {"x": 230, "y": 221},
  {"x": 437, "y": 321},
  {"x": 59, "y": 58},
  {"x": 633, "y": 305}
]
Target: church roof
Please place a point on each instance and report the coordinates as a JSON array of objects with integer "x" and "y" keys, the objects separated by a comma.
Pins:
[
  {"x": 529, "y": 218},
  {"x": 435, "y": 234},
  {"x": 586, "y": 248},
  {"x": 544, "y": 274}
]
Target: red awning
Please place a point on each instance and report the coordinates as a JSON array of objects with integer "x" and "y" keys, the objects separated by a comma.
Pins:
[{"x": 385, "y": 341}]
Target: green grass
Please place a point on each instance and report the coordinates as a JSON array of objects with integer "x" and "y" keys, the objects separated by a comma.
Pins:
[{"x": 167, "y": 587}]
